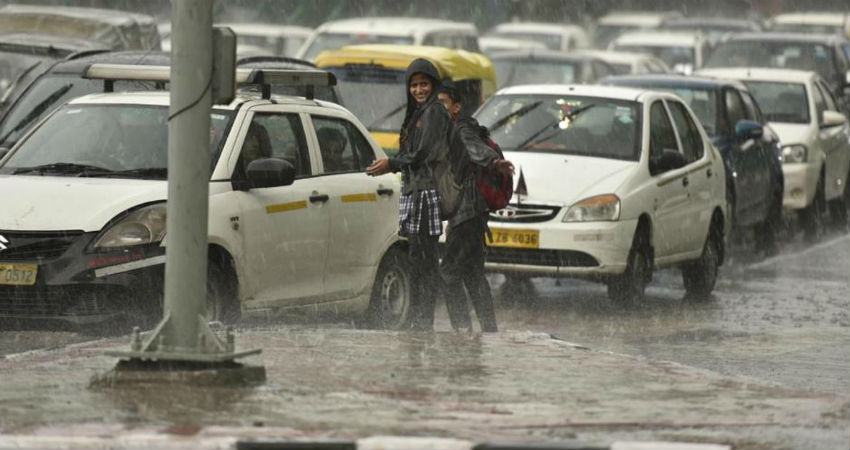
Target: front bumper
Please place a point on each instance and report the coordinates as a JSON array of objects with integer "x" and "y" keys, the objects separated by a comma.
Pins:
[
  {"x": 77, "y": 285},
  {"x": 591, "y": 250},
  {"x": 801, "y": 182}
]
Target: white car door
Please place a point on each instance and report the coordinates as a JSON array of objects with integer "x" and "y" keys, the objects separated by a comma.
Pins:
[
  {"x": 363, "y": 209},
  {"x": 671, "y": 196},
  {"x": 285, "y": 228},
  {"x": 834, "y": 142}
]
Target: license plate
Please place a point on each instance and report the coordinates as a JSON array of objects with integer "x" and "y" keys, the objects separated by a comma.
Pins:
[
  {"x": 514, "y": 238},
  {"x": 18, "y": 274}
]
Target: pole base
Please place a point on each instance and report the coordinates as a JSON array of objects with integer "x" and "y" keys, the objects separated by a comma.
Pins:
[{"x": 138, "y": 372}]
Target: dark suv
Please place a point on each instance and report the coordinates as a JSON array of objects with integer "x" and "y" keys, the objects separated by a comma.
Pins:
[
  {"x": 732, "y": 119},
  {"x": 826, "y": 54}
]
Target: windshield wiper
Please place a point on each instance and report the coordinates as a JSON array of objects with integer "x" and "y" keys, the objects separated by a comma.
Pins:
[
  {"x": 386, "y": 116},
  {"x": 518, "y": 113},
  {"x": 61, "y": 168},
  {"x": 37, "y": 110},
  {"x": 144, "y": 172}
]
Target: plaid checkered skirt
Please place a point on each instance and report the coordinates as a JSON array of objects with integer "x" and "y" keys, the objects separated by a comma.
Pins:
[{"x": 409, "y": 223}]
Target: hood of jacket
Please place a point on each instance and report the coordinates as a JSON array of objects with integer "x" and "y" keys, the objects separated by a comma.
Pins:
[{"x": 427, "y": 68}]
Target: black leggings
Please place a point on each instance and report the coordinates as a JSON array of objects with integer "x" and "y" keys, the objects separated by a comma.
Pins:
[{"x": 425, "y": 263}]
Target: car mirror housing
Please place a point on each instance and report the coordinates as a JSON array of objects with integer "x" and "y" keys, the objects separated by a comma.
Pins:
[
  {"x": 671, "y": 159},
  {"x": 747, "y": 129},
  {"x": 267, "y": 172},
  {"x": 832, "y": 119}
]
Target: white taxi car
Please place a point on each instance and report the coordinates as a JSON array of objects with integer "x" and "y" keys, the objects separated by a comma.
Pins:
[
  {"x": 293, "y": 220},
  {"x": 612, "y": 182},
  {"x": 815, "y": 139},
  {"x": 682, "y": 51}
]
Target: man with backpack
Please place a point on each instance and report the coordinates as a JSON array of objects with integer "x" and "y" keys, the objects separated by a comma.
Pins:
[{"x": 473, "y": 157}]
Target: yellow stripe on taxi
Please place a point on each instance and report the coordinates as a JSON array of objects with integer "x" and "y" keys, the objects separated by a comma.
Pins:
[
  {"x": 351, "y": 198},
  {"x": 283, "y": 207}
]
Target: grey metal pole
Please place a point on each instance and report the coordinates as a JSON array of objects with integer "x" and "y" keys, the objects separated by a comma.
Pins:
[{"x": 188, "y": 171}]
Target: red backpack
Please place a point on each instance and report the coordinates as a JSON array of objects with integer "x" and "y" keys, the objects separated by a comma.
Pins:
[{"x": 496, "y": 187}]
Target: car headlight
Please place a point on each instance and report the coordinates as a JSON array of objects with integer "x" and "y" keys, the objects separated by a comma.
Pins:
[
  {"x": 593, "y": 209},
  {"x": 143, "y": 226},
  {"x": 795, "y": 153}
]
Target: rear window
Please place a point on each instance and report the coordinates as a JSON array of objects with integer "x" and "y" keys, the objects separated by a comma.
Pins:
[
  {"x": 781, "y": 102},
  {"x": 784, "y": 55},
  {"x": 512, "y": 72},
  {"x": 332, "y": 41}
]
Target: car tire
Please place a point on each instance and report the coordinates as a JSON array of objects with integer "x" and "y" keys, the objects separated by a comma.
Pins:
[
  {"x": 222, "y": 291},
  {"x": 390, "y": 306},
  {"x": 700, "y": 276},
  {"x": 629, "y": 287},
  {"x": 812, "y": 217}
]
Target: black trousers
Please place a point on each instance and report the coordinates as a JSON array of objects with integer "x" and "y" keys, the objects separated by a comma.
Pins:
[
  {"x": 462, "y": 271},
  {"x": 425, "y": 266}
]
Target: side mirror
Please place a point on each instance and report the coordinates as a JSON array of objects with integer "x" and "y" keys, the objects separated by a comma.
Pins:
[
  {"x": 267, "y": 172},
  {"x": 832, "y": 119},
  {"x": 747, "y": 129},
  {"x": 669, "y": 160}
]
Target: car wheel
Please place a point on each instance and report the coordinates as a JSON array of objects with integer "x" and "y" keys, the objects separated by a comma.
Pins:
[
  {"x": 812, "y": 216},
  {"x": 390, "y": 305},
  {"x": 629, "y": 287},
  {"x": 222, "y": 296},
  {"x": 700, "y": 276}
]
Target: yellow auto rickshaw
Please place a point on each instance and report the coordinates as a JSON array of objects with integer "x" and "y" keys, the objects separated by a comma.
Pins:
[{"x": 372, "y": 85}]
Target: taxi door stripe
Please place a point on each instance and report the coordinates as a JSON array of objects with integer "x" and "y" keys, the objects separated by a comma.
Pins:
[
  {"x": 284, "y": 207},
  {"x": 351, "y": 198}
]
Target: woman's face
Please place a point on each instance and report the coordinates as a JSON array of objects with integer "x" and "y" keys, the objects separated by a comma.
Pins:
[{"x": 420, "y": 87}]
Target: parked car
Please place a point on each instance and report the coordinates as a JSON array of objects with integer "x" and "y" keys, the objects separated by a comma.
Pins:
[
  {"x": 28, "y": 54},
  {"x": 828, "y": 55},
  {"x": 714, "y": 28},
  {"x": 553, "y": 36},
  {"x": 279, "y": 40},
  {"x": 494, "y": 44},
  {"x": 613, "y": 183},
  {"x": 547, "y": 66},
  {"x": 750, "y": 149},
  {"x": 117, "y": 30},
  {"x": 627, "y": 62},
  {"x": 612, "y": 25},
  {"x": 390, "y": 30},
  {"x": 684, "y": 52},
  {"x": 818, "y": 22},
  {"x": 815, "y": 140},
  {"x": 373, "y": 85},
  {"x": 85, "y": 232},
  {"x": 31, "y": 101}
]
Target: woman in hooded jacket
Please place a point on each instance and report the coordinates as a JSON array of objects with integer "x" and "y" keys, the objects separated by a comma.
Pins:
[{"x": 424, "y": 133}]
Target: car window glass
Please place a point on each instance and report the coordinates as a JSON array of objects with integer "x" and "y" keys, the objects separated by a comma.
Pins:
[
  {"x": 749, "y": 108},
  {"x": 688, "y": 132},
  {"x": 341, "y": 145},
  {"x": 601, "y": 70},
  {"x": 734, "y": 107},
  {"x": 750, "y": 100},
  {"x": 661, "y": 135},
  {"x": 829, "y": 101},
  {"x": 820, "y": 104},
  {"x": 274, "y": 135}
]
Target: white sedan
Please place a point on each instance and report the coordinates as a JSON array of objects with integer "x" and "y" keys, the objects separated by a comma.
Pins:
[
  {"x": 815, "y": 139},
  {"x": 612, "y": 182}
]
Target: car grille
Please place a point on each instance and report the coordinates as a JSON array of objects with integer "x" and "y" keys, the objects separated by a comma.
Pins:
[
  {"x": 525, "y": 213},
  {"x": 531, "y": 257},
  {"x": 29, "y": 301},
  {"x": 36, "y": 246}
]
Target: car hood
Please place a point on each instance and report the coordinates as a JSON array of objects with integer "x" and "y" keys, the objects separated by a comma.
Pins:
[
  {"x": 44, "y": 203},
  {"x": 564, "y": 179},
  {"x": 791, "y": 133}
]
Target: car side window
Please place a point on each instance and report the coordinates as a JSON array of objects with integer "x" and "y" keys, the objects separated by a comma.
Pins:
[
  {"x": 341, "y": 145},
  {"x": 601, "y": 70},
  {"x": 734, "y": 107},
  {"x": 692, "y": 145},
  {"x": 820, "y": 103},
  {"x": 752, "y": 101},
  {"x": 749, "y": 107},
  {"x": 661, "y": 134},
  {"x": 827, "y": 97},
  {"x": 276, "y": 135}
]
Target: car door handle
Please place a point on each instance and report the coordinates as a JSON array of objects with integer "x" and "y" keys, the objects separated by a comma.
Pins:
[
  {"x": 685, "y": 181},
  {"x": 319, "y": 198},
  {"x": 385, "y": 191}
]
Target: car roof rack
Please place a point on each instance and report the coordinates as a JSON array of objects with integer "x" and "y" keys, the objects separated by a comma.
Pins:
[{"x": 265, "y": 78}]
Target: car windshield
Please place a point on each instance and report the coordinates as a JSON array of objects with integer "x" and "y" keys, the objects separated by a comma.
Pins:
[
  {"x": 374, "y": 94},
  {"x": 784, "y": 55},
  {"x": 331, "y": 41},
  {"x": 598, "y": 127},
  {"x": 551, "y": 41},
  {"x": 127, "y": 141},
  {"x": 671, "y": 55},
  {"x": 12, "y": 64},
  {"x": 45, "y": 95},
  {"x": 781, "y": 102},
  {"x": 512, "y": 72}
]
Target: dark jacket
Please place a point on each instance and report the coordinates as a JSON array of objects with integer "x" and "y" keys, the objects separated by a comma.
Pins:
[
  {"x": 426, "y": 128},
  {"x": 470, "y": 154}
]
